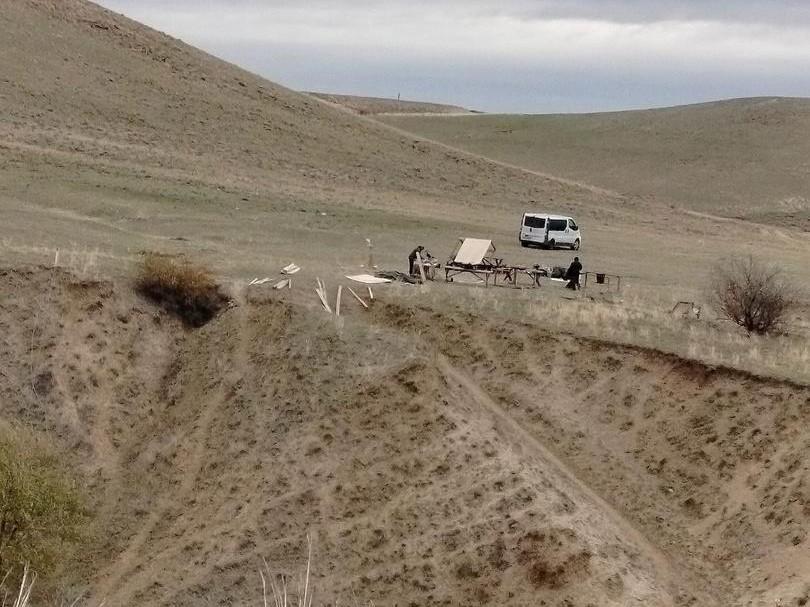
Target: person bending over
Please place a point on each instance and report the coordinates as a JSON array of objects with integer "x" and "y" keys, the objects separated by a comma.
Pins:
[
  {"x": 572, "y": 275},
  {"x": 412, "y": 258}
]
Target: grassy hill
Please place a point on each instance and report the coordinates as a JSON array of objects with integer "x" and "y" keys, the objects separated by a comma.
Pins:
[
  {"x": 744, "y": 158},
  {"x": 450, "y": 445},
  {"x": 118, "y": 130}
]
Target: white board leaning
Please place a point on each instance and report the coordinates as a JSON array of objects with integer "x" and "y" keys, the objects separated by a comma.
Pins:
[{"x": 368, "y": 279}]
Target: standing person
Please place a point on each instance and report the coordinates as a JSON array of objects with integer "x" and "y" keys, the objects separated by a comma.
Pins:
[
  {"x": 412, "y": 258},
  {"x": 572, "y": 275}
]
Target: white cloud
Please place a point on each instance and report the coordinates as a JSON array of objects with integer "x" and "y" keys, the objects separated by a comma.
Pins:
[{"x": 629, "y": 39}]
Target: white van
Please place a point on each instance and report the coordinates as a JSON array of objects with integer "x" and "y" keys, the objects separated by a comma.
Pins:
[{"x": 550, "y": 231}]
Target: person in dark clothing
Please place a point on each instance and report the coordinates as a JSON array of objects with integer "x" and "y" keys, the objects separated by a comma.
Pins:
[
  {"x": 412, "y": 258},
  {"x": 572, "y": 275}
]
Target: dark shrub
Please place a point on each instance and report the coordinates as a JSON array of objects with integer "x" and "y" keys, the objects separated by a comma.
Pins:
[{"x": 183, "y": 289}]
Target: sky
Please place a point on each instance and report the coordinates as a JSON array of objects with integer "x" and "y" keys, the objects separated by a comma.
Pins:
[{"x": 515, "y": 56}]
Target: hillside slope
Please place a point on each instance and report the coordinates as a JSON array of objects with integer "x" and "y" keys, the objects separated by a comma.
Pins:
[
  {"x": 115, "y": 139},
  {"x": 415, "y": 443},
  {"x": 457, "y": 466},
  {"x": 112, "y": 92},
  {"x": 208, "y": 451},
  {"x": 741, "y": 158},
  {"x": 382, "y": 105}
]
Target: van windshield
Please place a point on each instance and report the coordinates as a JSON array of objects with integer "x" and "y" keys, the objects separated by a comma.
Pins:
[{"x": 534, "y": 222}]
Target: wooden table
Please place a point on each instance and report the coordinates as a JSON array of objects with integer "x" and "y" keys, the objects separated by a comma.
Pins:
[
  {"x": 511, "y": 273},
  {"x": 480, "y": 272}
]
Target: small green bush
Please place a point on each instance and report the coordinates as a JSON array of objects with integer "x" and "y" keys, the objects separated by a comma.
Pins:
[
  {"x": 42, "y": 514},
  {"x": 183, "y": 289}
]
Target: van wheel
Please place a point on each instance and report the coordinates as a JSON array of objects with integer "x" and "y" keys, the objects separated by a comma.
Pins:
[
  {"x": 575, "y": 246},
  {"x": 523, "y": 243},
  {"x": 552, "y": 244}
]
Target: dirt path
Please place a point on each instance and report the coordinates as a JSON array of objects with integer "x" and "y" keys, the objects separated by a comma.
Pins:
[
  {"x": 500, "y": 163},
  {"x": 533, "y": 450}
]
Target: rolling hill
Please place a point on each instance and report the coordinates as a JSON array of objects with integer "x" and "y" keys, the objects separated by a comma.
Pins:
[
  {"x": 450, "y": 445},
  {"x": 116, "y": 129},
  {"x": 743, "y": 158},
  {"x": 382, "y": 105}
]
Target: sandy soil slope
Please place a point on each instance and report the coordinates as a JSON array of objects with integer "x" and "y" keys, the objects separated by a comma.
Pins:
[
  {"x": 707, "y": 462},
  {"x": 209, "y": 450},
  {"x": 481, "y": 462},
  {"x": 739, "y": 158}
]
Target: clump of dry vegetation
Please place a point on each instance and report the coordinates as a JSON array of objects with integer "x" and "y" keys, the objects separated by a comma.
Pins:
[
  {"x": 185, "y": 290},
  {"x": 755, "y": 296},
  {"x": 41, "y": 510},
  {"x": 636, "y": 317},
  {"x": 280, "y": 586}
]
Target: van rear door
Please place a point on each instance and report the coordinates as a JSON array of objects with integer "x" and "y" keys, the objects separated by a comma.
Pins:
[{"x": 534, "y": 228}]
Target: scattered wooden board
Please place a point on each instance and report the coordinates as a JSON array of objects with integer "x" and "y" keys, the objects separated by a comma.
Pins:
[
  {"x": 321, "y": 291},
  {"x": 358, "y": 298},
  {"x": 368, "y": 279}
]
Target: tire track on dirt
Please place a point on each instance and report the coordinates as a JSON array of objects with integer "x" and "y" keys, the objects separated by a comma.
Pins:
[
  {"x": 132, "y": 559},
  {"x": 506, "y": 165},
  {"x": 525, "y": 444}
]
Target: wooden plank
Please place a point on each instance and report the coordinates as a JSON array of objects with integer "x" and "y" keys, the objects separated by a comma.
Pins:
[
  {"x": 421, "y": 266},
  {"x": 322, "y": 295},
  {"x": 370, "y": 294},
  {"x": 323, "y": 301},
  {"x": 358, "y": 298},
  {"x": 337, "y": 302},
  {"x": 368, "y": 279}
]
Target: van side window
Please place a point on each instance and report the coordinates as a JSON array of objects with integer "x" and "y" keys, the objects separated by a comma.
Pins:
[
  {"x": 572, "y": 224},
  {"x": 557, "y": 225},
  {"x": 534, "y": 222}
]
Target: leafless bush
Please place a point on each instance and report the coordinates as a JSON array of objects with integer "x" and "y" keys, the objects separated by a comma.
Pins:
[
  {"x": 752, "y": 294},
  {"x": 183, "y": 289}
]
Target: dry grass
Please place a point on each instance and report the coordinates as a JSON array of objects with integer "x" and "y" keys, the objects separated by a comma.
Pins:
[
  {"x": 22, "y": 597},
  {"x": 186, "y": 290},
  {"x": 42, "y": 514},
  {"x": 281, "y": 590},
  {"x": 636, "y": 318},
  {"x": 282, "y": 594}
]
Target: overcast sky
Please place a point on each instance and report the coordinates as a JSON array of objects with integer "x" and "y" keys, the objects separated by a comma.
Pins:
[{"x": 508, "y": 55}]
